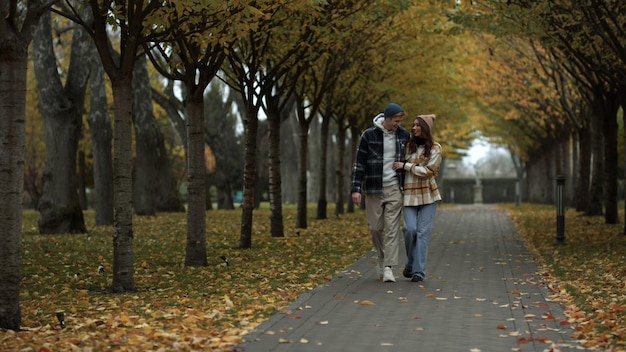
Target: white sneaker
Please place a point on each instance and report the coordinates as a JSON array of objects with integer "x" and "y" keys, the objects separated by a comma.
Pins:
[{"x": 388, "y": 275}]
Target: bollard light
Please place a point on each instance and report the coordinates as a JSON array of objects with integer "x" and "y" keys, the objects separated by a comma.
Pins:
[
  {"x": 61, "y": 318},
  {"x": 560, "y": 209}
]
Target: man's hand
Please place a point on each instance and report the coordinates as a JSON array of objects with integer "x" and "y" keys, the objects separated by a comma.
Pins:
[
  {"x": 356, "y": 198},
  {"x": 398, "y": 165}
]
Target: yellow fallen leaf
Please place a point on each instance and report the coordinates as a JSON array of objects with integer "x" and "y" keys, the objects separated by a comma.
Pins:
[
  {"x": 325, "y": 322},
  {"x": 367, "y": 303},
  {"x": 227, "y": 302},
  {"x": 529, "y": 316},
  {"x": 303, "y": 340},
  {"x": 281, "y": 340}
]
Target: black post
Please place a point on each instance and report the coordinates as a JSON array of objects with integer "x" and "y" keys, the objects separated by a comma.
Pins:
[{"x": 560, "y": 209}]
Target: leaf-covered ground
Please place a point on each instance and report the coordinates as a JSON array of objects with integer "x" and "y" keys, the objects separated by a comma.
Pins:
[
  {"x": 211, "y": 308},
  {"x": 174, "y": 307},
  {"x": 587, "y": 273}
]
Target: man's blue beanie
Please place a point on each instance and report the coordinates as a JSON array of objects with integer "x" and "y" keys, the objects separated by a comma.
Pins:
[{"x": 392, "y": 109}]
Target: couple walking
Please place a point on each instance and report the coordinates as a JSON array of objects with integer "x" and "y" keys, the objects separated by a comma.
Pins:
[{"x": 395, "y": 169}]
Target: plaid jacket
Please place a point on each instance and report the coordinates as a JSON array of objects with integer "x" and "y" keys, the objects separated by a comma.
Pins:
[
  {"x": 367, "y": 172},
  {"x": 420, "y": 186}
]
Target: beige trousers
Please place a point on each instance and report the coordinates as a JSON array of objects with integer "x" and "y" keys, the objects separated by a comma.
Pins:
[{"x": 383, "y": 214}]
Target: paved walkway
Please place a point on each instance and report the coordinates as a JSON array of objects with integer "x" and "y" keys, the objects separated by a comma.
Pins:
[{"x": 481, "y": 293}]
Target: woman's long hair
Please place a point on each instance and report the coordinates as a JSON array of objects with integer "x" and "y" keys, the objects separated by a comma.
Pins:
[{"x": 426, "y": 139}]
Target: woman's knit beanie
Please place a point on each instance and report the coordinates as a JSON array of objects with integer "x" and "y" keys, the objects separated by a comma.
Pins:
[{"x": 429, "y": 119}]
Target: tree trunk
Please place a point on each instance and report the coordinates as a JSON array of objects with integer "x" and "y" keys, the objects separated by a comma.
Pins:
[
  {"x": 207, "y": 191},
  {"x": 195, "y": 254},
  {"x": 275, "y": 179},
  {"x": 154, "y": 187},
  {"x": 610, "y": 128},
  {"x": 61, "y": 110},
  {"x": 354, "y": 142},
  {"x": 224, "y": 190},
  {"x": 249, "y": 179},
  {"x": 340, "y": 169},
  {"x": 13, "y": 67},
  {"x": 82, "y": 188},
  {"x": 123, "y": 268},
  {"x": 594, "y": 206},
  {"x": 303, "y": 151},
  {"x": 101, "y": 143},
  {"x": 289, "y": 160},
  {"x": 322, "y": 202},
  {"x": 146, "y": 143},
  {"x": 622, "y": 99},
  {"x": 584, "y": 169}
]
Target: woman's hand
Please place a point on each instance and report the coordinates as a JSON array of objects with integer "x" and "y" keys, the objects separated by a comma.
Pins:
[{"x": 398, "y": 165}]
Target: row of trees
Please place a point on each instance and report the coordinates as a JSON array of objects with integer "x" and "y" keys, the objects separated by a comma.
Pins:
[
  {"x": 485, "y": 66},
  {"x": 338, "y": 60},
  {"x": 553, "y": 90}
]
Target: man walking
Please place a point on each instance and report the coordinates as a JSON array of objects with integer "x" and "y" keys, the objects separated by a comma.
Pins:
[{"x": 379, "y": 147}]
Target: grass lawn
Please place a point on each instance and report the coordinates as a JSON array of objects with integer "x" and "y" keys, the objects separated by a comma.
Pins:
[
  {"x": 587, "y": 273},
  {"x": 174, "y": 307},
  {"x": 211, "y": 308}
]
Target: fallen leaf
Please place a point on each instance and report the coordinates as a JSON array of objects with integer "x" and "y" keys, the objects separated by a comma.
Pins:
[
  {"x": 367, "y": 303},
  {"x": 501, "y": 326},
  {"x": 543, "y": 339}
]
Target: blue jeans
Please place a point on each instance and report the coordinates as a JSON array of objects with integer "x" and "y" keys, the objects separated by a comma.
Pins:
[{"x": 418, "y": 224}]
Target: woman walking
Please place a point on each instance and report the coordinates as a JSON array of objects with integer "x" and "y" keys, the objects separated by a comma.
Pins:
[{"x": 421, "y": 194}]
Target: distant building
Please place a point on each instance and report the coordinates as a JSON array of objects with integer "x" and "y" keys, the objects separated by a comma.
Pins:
[{"x": 468, "y": 184}]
